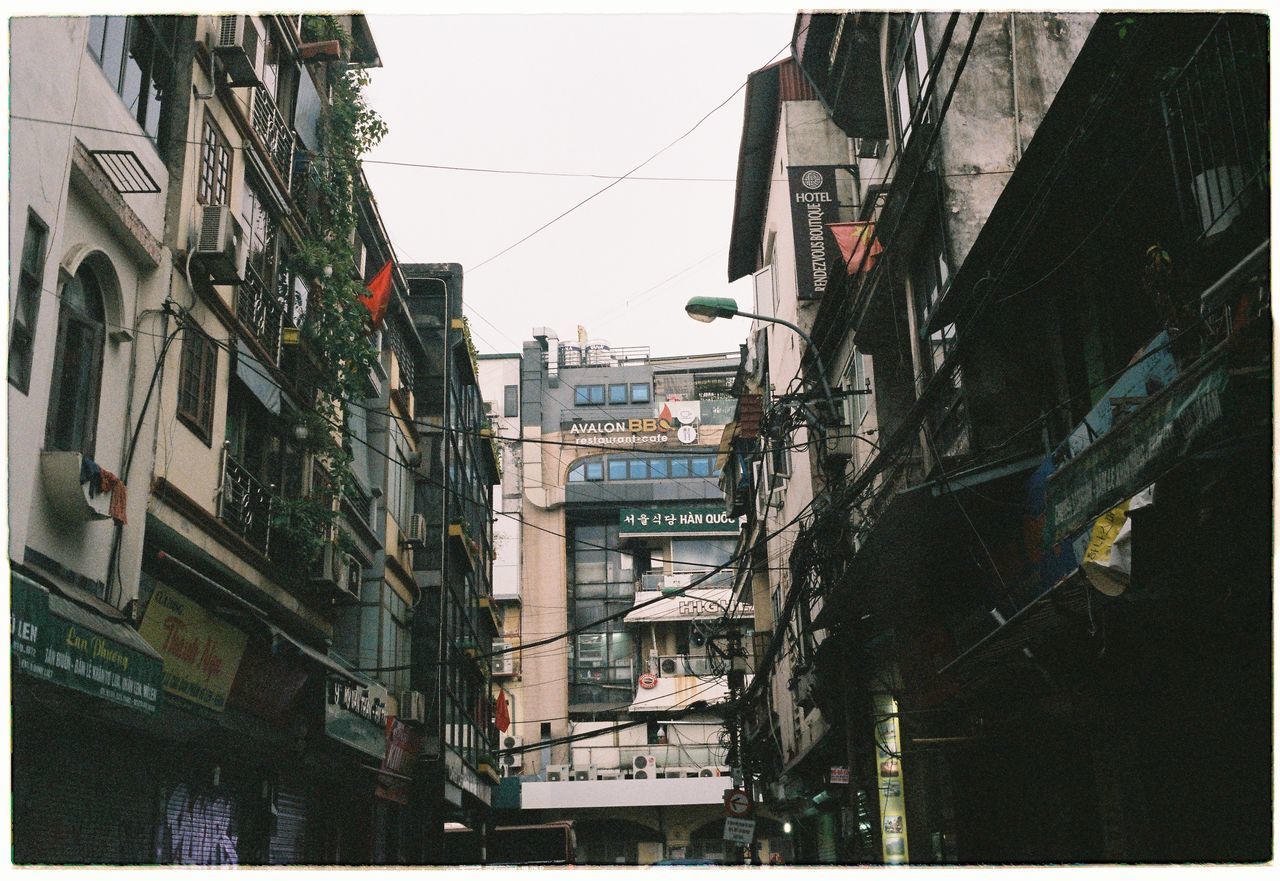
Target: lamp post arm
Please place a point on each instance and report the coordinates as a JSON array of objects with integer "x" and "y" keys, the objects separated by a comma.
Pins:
[{"x": 817, "y": 357}]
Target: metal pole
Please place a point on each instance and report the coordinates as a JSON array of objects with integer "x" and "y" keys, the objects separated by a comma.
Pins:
[{"x": 817, "y": 356}]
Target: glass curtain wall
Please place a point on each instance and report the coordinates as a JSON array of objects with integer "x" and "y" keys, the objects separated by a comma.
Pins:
[{"x": 602, "y": 658}]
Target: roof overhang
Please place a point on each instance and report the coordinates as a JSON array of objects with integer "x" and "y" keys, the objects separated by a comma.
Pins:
[{"x": 755, "y": 167}]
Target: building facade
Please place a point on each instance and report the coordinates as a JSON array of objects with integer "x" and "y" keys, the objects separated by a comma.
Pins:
[
  {"x": 1056, "y": 292},
  {"x": 626, "y": 547},
  {"x": 214, "y": 506}
]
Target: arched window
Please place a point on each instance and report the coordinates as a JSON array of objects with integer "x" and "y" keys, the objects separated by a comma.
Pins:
[{"x": 77, "y": 365}]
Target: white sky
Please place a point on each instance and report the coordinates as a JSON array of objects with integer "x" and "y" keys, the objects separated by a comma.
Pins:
[{"x": 584, "y": 94}]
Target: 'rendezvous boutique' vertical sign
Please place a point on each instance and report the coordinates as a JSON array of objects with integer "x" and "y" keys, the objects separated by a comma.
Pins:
[{"x": 813, "y": 206}]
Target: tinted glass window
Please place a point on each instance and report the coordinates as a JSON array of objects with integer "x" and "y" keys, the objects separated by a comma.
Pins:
[
  {"x": 640, "y": 393},
  {"x": 679, "y": 467},
  {"x": 617, "y": 469},
  {"x": 658, "y": 468},
  {"x": 638, "y": 469},
  {"x": 618, "y": 393},
  {"x": 702, "y": 466}
]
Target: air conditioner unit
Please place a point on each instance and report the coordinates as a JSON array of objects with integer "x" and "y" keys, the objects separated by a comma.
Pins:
[
  {"x": 558, "y": 773},
  {"x": 220, "y": 246},
  {"x": 512, "y": 761},
  {"x": 237, "y": 43},
  {"x": 668, "y": 667},
  {"x": 839, "y": 444},
  {"x": 501, "y": 660},
  {"x": 587, "y": 773},
  {"x": 644, "y": 768},
  {"x": 416, "y": 534},
  {"x": 353, "y": 573},
  {"x": 760, "y": 475},
  {"x": 777, "y": 496},
  {"x": 804, "y": 689},
  {"x": 329, "y": 569},
  {"x": 413, "y": 706},
  {"x": 708, "y": 772},
  {"x": 673, "y": 772},
  {"x": 608, "y": 773}
]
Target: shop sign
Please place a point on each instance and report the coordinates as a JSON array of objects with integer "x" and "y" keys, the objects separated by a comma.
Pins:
[
  {"x": 738, "y": 830},
  {"x": 813, "y": 206},
  {"x": 839, "y": 775},
  {"x": 357, "y": 715},
  {"x": 689, "y": 520},
  {"x": 463, "y": 778},
  {"x": 1136, "y": 453},
  {"x": 403, "y": 745},
  {"x": 201, "y": 652},
  {"x": 49, "y": 647},
  {"x": 676, "y": 420},
  {"x": 893, "y": 807}
]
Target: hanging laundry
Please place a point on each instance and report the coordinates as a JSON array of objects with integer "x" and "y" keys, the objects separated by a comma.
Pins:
[
  {"x": 119, "y": 494},
  {"x": 91, "y": 474}
]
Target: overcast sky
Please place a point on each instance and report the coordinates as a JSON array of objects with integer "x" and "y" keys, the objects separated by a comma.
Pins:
[{"x": 576, "y": 94}]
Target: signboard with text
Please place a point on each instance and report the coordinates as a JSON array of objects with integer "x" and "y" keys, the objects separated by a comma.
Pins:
[
  {"x": 684, "y": 520},
  {"x": 357, "y": 715},
  {"x": 44, "y": 645},
  {"x": 201, "y": 651},
  {"x": 813, "y": 206},
  {"x": 738, "y": 830}
]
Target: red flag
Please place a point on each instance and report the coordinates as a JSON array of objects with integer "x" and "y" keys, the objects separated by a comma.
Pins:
[
  {"x": 379, "y": 295},
  {"x": 858, "y": 245},
  {"x": 502, "y": 718}
]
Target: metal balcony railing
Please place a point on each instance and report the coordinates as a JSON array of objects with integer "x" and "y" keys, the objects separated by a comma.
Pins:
[
  {"x": 1216, "y": 121},
  {"x": 258, "y": 307},
  {"x": 244, "y": 504},
  {"x": 274, "y": 132}
]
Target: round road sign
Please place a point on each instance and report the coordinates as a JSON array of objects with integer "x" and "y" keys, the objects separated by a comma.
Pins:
[
  {"x": 648, "y": 680},
  {"x": 737, "y": 802}
]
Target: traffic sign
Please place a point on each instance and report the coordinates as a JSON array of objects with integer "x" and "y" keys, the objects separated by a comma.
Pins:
[
  {"x": 738, "y": 830},
  {"x": 737, "y": 803}
]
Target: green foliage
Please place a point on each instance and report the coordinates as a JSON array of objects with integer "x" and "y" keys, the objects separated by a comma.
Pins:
[{"x": 335, "y": 331}]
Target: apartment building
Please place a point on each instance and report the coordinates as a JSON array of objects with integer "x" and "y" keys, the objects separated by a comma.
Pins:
[
  {"x": 626, "y": 546},
  {"x": 1054, "y": 250},
  {"x": 213, "y": 500}
]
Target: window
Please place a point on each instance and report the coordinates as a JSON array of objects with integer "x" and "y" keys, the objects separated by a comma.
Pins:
[
  {"x": 701, "y": 554},
  {"x": 638, "y": 469},
  {"x": 679, "y": 467},
  {"x": 617, "y": 469},
  {"x": 640, "y": 393},
  {"x": 912, "y": 80},
  {"x": 581, "y": 471},
  {"x": 136, "y": 54},
  {"x": 375, "y": 633},
  {"x": 399, "y": 478},
  {"x": 196, "y": 383},
  {"x": 588, "y": 394},
  {"x": 702, "y": 466},
  {"x": 618, "y": 393},
  {"x": 214, "y": 187},
  {"x": 855, "y": 380},
  {"x": 261, "y": 234},
  {"x": 77, "y": 366},
  {"x": 27, "y": 305},
  {"x": 511, "y": 400},
  {"x": 929, "y": 282}
]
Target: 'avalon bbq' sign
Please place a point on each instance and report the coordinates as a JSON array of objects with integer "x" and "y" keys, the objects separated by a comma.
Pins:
[{"x": 813, "y": 206}]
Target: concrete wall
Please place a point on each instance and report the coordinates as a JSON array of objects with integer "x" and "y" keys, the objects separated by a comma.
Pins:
[{"x": 62, "y": 84}]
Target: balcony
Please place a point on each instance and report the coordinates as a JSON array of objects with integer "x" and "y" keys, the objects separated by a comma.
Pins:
[
  {"x": 260, "y": 310},
  {"x": 244, "y": 504},
  {"x": 273, "y": 131}
]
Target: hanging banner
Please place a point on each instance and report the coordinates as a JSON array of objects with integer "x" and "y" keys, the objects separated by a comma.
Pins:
[
  {"x": 813, "y": 206},
  {"x": 201, "y": 652},
  {"x": 404, "y": 742},
  {"x": 893, "y": 806},
  {"x": 357, "y": 715}
]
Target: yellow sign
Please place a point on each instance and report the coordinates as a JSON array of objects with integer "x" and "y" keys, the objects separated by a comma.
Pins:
[
  {"x": 1105, "y": 530},
  {"x": 201, "y": 653}
]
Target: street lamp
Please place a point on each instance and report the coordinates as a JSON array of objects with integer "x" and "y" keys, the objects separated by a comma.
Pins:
[{"x": 708, "y": 309}]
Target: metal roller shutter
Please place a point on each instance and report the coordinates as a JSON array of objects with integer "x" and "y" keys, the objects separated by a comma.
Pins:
[
  {"x": 77, "y": 802},
  {"x": 289, "y": 833}
]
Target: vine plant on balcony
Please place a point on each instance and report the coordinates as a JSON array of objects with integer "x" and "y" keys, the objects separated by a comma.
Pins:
[{"x": 335, "y": 330}]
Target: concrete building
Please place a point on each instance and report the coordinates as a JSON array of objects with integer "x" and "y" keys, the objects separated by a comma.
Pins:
[
  {"x": 1054, "y": 250},
  {"x": 214, "y": 519},
  {"x": 625, "y": 546}
]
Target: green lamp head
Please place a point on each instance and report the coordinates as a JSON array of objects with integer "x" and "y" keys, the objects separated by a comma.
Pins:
[{"x": 710, "y": 308}]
